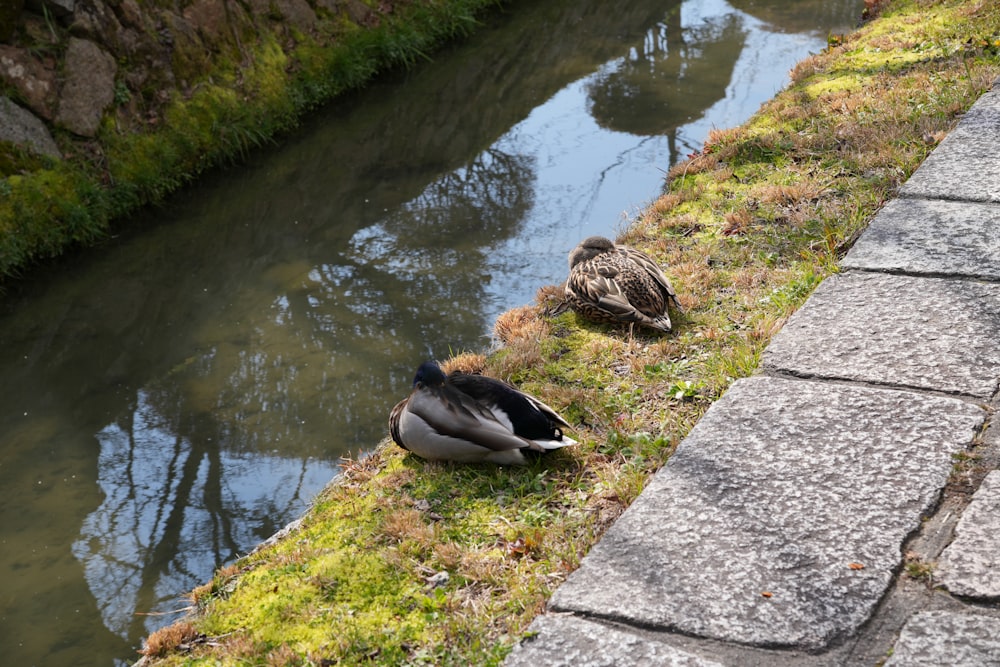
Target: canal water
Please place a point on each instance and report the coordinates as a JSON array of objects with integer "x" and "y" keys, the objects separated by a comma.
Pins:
[{"x": 174, "y": 396}]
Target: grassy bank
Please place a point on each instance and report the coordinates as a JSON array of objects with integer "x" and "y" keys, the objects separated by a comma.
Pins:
[
  {"x": 405, "y": 562},
  {"x": 237, "y": 100}
]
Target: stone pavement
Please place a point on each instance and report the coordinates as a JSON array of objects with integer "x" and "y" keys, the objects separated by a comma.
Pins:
[{"x": 841, "y": 506}]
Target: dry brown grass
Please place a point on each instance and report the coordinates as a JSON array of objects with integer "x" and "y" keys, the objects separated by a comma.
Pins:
[
  {"x": 408, "y": 525},
  {"x": 448, "y": 555},
  {"x": 284, "y": 656},
  {"x": 171, "y": 638},
  {"x": 520, "y": 354},
  {"x": 667, "y": 203},
  {"x": 552, "y": 299},
  {"x": 737, "y": 222},
  {"x": 223, "y": 574},
  {"x": 201, "y": 593},
  {"x": 789, "y": 194},
  {"x": 467, "y": 362},
  {"x": 520, "y": 323},
  {"x": 239, "y": 645}
]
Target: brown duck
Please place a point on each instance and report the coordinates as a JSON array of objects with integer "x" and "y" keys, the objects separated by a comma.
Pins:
[{"x": 616, "y": 284}]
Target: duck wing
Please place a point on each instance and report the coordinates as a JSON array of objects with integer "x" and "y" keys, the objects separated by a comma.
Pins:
[
  {"x": 395, "y": 417},
  {"x": 607, "y": 293},
  {"x": 599, "y": 288},
  {"x": 646, "y": 263},
  {"x": 449, "y": 413},
  {"x": 521, "y": 412}
]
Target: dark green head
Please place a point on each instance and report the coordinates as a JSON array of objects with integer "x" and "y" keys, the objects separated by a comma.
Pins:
[{"x": 429, "y": 374}]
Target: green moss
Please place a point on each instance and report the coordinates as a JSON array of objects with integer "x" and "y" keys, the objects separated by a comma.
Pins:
[
  {"x": 14, "y": 159},
  {"x": 825, "y": 86},
  {"x": 29, "y": 202},
  {"x": 378, "y": 599}
]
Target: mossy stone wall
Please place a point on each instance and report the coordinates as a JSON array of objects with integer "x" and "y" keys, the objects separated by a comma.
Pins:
[{"x": 139, "y": 97}]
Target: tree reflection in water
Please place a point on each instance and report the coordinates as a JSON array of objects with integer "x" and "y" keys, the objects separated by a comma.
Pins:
[
  {"x": 176, "y": 504},
  {"x": 188, "y": 484},
  {"x": 678, "y": 72},
  {"x": 434, "y": 249}
]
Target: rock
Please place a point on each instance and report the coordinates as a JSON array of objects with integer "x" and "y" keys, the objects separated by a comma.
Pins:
[
  {"x": 93, "y": 20},
  {"x": 19, "y": 126},
  {"x": 296, "y": 12},
  {"x": 361, "y": 13},
  {"x": 33, "y": 79},
  {"x": 970, "y": 566},
  {"x": 209, "y": 18},
  {"x": 437, "y": 579},
  {"x": 947, "y": 638},
  {"x": 89, "y": 87},
  {"x": 130, "y": 14},
  {"x": 59, "y": 9}
]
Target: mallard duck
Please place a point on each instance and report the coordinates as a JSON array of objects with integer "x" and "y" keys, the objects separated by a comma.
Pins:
[
  {"x": 473, "y": 418},
  {"x": 615, "y": 283}
]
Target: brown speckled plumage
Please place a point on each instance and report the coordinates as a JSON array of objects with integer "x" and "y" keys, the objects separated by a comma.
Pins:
[{"x": 612, "y": 283}]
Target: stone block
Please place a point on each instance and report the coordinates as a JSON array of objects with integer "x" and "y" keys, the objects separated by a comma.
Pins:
[
  {"x": 925, "y": 333},
  {"x": 964, "y": 166},
  {"x": 931, "y": 237},
  {"x": 935, "y": 638},
  {"x": 89, "y": 87},
  {"x": 970, "y": 565},
  {"x": 21, "y": 127},
  {"x": 565, "y": 641},
  {"x": 779, "y": 520}
]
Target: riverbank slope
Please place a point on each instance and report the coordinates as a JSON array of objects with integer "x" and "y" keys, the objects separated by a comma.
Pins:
[
  {"x": 109, "y": 106},
  {"x": 406, "y": 562}
]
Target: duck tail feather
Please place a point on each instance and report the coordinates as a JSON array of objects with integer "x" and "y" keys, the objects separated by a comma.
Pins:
[{"x": 555, "y": 444}]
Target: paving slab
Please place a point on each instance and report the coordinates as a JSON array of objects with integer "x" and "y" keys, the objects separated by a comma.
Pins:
[
  {"x": 935, "y": 638},
  {"x": 779, "y": 520},
  {"x": 567, "y": 641},
  {"x": 970, "y": 565},
  {"x": 931, "y": 237},
  {"x": 964, "y": 166},
  {"x": 926, "y": 333}
]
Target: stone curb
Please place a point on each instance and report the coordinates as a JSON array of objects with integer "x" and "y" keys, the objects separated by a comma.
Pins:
[
  {"x": 965, "y": 166},
  {"x": 905, "y": 238},
  {"x": 570, "y": 641},
  {"x": 932, "y": 334},
  {"x": 970, "y": 565}
]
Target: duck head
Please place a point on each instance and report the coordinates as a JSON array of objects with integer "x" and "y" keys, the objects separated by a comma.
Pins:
[
  {"x": 589, "y": 248},
  {"x": 429, "y": 374}
]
